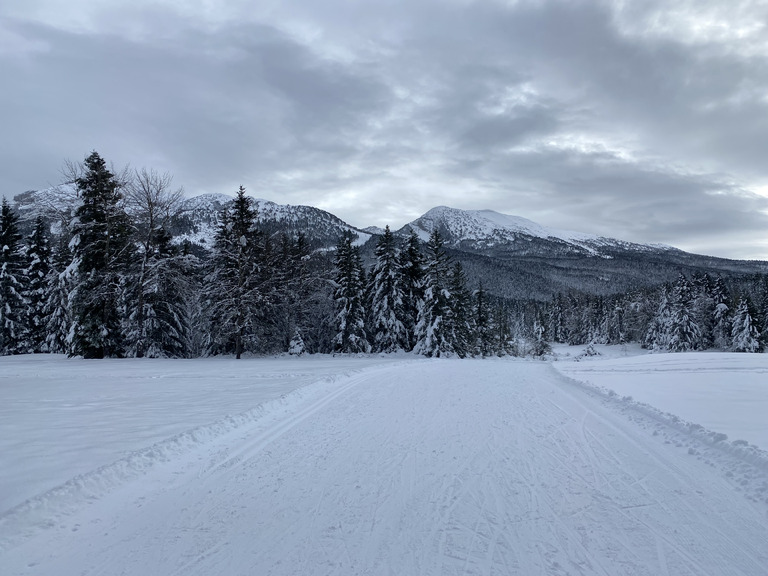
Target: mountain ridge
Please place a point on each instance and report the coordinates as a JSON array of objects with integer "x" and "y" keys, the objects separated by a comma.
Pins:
[{"x": 513, "y": 256}]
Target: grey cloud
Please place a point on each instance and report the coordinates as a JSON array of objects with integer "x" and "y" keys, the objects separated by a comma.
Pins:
[{"x": 378, "y": 109}]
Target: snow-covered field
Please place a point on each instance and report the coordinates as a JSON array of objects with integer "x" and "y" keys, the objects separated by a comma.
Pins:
[
  {"x": 362, "y": 466},
  {"x": 723, "y": 392}
]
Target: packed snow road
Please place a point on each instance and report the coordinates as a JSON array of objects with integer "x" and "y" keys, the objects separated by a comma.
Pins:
[{"x": 416, "y": 468}]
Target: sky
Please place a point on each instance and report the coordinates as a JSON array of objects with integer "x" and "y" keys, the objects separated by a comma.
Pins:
[{"x": 645, "y": 121}]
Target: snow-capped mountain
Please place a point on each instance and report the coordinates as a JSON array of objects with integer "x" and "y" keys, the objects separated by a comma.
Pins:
[
  {"x": 199, "y": 217},
  {"x": 487, "y": 230},
  {"x": 518, "y": 258},
  {"x": 513, "y": 256}
]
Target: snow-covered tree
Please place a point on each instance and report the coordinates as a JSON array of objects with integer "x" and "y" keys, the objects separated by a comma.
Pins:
[
  {"x": 102, "y": 252},
  {"x": 485, "y": 344},
  {"x": 684, "y": 331},
  {"x": 721, "y": 315},
  {"x": 349, "y": 298},
  {"x": 412, "y": 281},
  {"x": 433, "y": 337},
  {"x": 387, "y": 329},
  {"x": 160, "y": 287},
  {"x": 56, "y": 308},
  {"x": 658, "y": 335},
  {"x": 459, "y": 321},
  {"x": 13, "y": 305},
  {"x": 744, "y": 333},
  {"x": 38, "y": 272},
  {"x": 233, "y": 297},
  {"x": 296, "y": 345}
]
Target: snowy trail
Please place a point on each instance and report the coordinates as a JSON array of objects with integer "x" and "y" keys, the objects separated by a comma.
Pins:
[{"x": 423, "y": 468}]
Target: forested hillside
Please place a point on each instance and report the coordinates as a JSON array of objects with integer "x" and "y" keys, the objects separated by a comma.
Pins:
[{"x": 122, "y": 265}]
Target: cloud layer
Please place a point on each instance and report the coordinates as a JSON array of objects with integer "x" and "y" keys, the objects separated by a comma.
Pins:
[{"x": 643, "y": 121}]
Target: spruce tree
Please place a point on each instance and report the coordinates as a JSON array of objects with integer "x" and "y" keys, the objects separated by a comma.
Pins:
[
  {"x": 102, "y": 252},
  {"x": 387, "y": 329},
  {"x": 744, "y": 333},
  {"x": 349, "y": 297},
  {"x": 13, "y": 304},
  {"x": 721, "y": 315},
  {"x": 57, "y": 310},
  {"x": 432, "y": 335},
  {"x": 658, "y": 335},
  {"x": 483, "y": 322},
  {"x": 232, "y": 295},
  {"x": 684, "y": 331},
  {"x": 412, "y": 281},
  {"x": 459, "y": 321},
  {"x": 38, "y": 272}
]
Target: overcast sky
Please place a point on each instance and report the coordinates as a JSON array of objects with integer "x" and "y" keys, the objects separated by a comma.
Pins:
[{"x": 645, "y": 121}]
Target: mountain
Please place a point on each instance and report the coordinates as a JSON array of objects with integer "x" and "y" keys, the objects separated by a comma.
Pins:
[
  {"x": 486, "y": 230},
  {"x": 517, "y": 258},
  {"x": 198, "y": 219},
  {"x": 512, "y": 256}
]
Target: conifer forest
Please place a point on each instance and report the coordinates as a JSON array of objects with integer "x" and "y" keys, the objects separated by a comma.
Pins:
[{"x": 108, "y": 279}]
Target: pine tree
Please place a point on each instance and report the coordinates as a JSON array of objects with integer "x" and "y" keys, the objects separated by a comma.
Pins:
[
  {"x": 349, "y": 297},
  {"x": 38, "y": 272},
  {"x": 745, "y": 335},
  {"x": 412, "y": 281},
  {"x": 13, "y": 305},
  {"x": 684, "y": 332},
  {"x": 433, "y": 336},
  {"x": 387, "y": 327},
  {"x": 232, "y": 296}
]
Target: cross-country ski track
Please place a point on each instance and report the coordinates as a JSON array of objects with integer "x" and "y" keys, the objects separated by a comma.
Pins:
[{"x": 441, "y": 467}]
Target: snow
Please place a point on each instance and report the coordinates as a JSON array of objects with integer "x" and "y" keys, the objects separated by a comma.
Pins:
[
  {"x": 378, "y": 465},
  {"x": 724, "y": 392},
  {"x": 61, "y": 417},
  {"x": 490, "y": 227}
]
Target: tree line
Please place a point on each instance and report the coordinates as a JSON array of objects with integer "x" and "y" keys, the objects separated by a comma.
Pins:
[{"x": 112, "y": 283}]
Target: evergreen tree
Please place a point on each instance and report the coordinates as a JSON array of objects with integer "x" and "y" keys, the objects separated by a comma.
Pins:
[
  {"x": 721, "y": 315},
  {"x": 412, "y": 273},
  {"x": 13, "y": 305},
  {"x": 387, "y": 314},
  {"x": 56, "y": 308},
  {"x": 745, "y": 335},
  {"x": 684, "y": 332},
  {"x": 484, "y": 330},
  {"x": 232, "y": 296},
  {"x": 102, "y": 253},
  {"x": 658, "y": 335},
  {"x": 459, "y": 321},
  {"x": 38, "y": 272},
  {"x": 349, "y": 297},
  {"x": 540, "y": 344},
  {"x": 704, "y": 309},
  {"x": 432, "y": 333},
  {"x": 557, "y": 323}
]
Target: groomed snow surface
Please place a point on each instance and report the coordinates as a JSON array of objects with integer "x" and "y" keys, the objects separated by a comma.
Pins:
[{"x": 381, "y": 465}]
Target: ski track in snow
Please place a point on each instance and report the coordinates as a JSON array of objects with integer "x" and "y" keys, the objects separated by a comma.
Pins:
[{"x": 422, "y": 468}]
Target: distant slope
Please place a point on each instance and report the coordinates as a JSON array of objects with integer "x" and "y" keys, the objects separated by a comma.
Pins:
[
  {"x": 512, "y": 256},
  {"x": 517, "y": 258}
]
